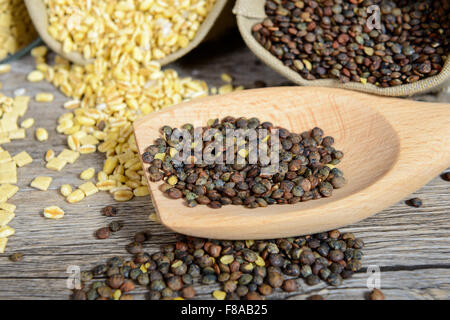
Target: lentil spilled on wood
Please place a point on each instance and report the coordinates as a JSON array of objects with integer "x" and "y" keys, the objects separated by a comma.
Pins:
[
  {"x": 414, "y": 202},
  {"x": 16, "y": 257},
  {"x": 376, "y": 294},
  {"x": 332, "y": 39},
  {"x": 305, "y": 170},
  {"x": 250, "y": 270}
]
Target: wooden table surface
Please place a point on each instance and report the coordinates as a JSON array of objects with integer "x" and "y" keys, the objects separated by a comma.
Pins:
[{"x": 410, "y": 246}]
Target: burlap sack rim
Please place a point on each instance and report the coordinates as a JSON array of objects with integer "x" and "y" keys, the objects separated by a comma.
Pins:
[
  {"x": 250, "y": 12},
  {"x": 36, "y": 7}
]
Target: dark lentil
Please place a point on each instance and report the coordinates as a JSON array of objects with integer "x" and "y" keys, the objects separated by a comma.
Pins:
[
  {"x": 376, "y": 294},
  {"x": 79, "y": 295},
  {"x": 141, "y": 237},
  {"x": 127, "y": 286},
  {"x": 16, "y": 257},
  {"x": 86, "y": 276},
  {"x": 315, "y": 297},
  {"x": 134, "y": 247},
  {"x": 290, "y": 285},
  {"x": 103, "y": 233},
  {"x": 304, "y": 170},
  {"x": 188, "y": 292},
  {"x": 115, "y": 226},
  {"x": 331, "y": 39},
  {"x": 265, "y": 289},
  {"x": 100, "y": 269},
  {"x": 116, "y": 281},
  {"x": 109, "y": 211},
  {"x": 143, "y": 279},
  {"x": 446, "y": 176},
  {"x": 257, "y": 269},
  {"x": 105, "y": 292},
  {"x": 414, "y": 202}
]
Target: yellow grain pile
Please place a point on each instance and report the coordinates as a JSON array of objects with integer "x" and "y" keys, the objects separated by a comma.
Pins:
[{"x": 16, "y": 29}]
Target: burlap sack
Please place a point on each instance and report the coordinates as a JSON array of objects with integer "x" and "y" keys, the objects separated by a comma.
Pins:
[
  {"x": 218, "y": 20},
  {"x": 250, "y": 12}
]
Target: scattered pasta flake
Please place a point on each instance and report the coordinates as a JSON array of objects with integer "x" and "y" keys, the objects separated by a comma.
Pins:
[
  {"x": 53, "y": 212},
  {"x": 22, "y": 159},
  {"x": 41, "y": 183}
]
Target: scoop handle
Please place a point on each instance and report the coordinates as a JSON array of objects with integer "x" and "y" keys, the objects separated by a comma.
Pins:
[
  {"x": 423, "y": 129},
  {"x": 421, "y": 126}
]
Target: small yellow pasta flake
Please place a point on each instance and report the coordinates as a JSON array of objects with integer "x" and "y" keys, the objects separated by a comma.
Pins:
[
  {"x": 8, "y": 172},
  {"x": 44, "y": 97},
  {"x": 160, "y": 156},
  {"x": 6, "y": 217},
  {"x": 4, "y": 138},
  {"x": 41, "y": 134},
  {"x": 219, "y": 295},
  {"x": 72, "y": 104},
  {"x": 8, "y": 207},
  {"x": 76, "y": 196},
  {"x": 117, "y": 294},
  {"x": 6, "y": 231},
  {"x": 22, "y": 159},
  {"x": 87, "y": 174},
  {"x": 5, "y": 157},
  {"x": 39, "y": 51},
  {"x": 172, "y": 180},
  {"x": 8, "y": 190},
  {"x": 35, "y": 76},
  {"x": 27, "y": 123},
  {"x": 42, "y": 183},
  {"x": 21, "y": 105},
  {"x": 49, "y": 155},
  {"x": 88, "y": 188},
  {"x": 53, "y": 212},
  {"x": 69, "y": 156},
  {"x": 56, "y": 164},
  {"x": 66, "y": 190},
  {"x": 17, "y": 134},
  {"x": 4, "y": 68}
]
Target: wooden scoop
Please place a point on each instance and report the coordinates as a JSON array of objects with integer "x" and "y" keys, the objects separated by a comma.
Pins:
[
  {"x": 392, "y": 147},
  {"x": 38, "y": 14}
]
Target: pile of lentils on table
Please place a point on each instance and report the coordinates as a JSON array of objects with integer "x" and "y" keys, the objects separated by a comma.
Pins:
[
  {"x": 306, "y": 168},
  {"x": 251, "y": 270},
  {"x": 331, "y": 39}
]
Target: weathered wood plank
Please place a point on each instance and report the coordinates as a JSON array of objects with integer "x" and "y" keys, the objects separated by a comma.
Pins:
[
  {"x": 419, "y": 284},
  {"x": 411, "y": 245}
]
